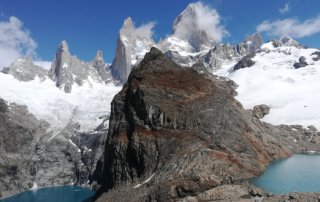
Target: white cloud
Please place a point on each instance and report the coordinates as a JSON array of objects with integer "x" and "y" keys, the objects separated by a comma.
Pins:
[
  {"x": 201, "y": 21},
  {"x": 285, "y": 9},
  {"x": 290, "y": 27},
  {"x": 15, "y": 41},
  {"x": 130, "y": 31}
]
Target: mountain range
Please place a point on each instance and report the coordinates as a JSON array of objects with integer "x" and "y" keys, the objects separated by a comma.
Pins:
[{"x": 70, "y": 104}]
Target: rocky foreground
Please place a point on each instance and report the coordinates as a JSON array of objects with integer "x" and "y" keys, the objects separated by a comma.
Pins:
[{"x": 178, "y": 134}]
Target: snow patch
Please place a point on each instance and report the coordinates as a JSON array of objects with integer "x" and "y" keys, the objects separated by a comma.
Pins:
[
  {"x": 292, "y": 94},
  {"x": 34, "y": 186},
  {"x": 84, "y": 105},
  {"x": 72, "y": 143},
  {"x": 144, "y": 182}
]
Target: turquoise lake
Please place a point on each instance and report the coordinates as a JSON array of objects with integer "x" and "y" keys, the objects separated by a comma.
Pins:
[
  {"x": 300, "y": 173},
  {"x": 53, "y": 194}
]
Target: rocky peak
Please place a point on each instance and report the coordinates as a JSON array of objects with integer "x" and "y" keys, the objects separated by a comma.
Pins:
[
  {"x": 253, "y": 42},
  {"x": 132, "y": 44},
  {"x": 24, "y": 69},
  {"x": 182, "y": 133},
  {"x": 128, "y": 23},
  {"x": 63, "y": 47},
  {"x": 99, "y": 56},
  {"x": 188, "y": 26},
  {"x": 101, "y": 67},
  {"x": 189, "y": 12},
  {"x": 67, "y": 70},
  {"x": 288, "y": 41}
]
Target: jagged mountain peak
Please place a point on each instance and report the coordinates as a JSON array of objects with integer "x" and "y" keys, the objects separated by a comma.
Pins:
[
  {"x": 99, "y": 56},
  {"x": 128, "y": 22},
  {"x": 199, "y": 25},
  {"x": 254, "y": 37},
  {"x": 190, "y": 11},
  {"x": 67, "y": 69},
  {"x": 133, "y": 42},
  {"x": 63, "y": 47},
  {"x": 288, "y": 41},
  {"x": 24, "y": 69},
  {"x": 253, "y": 42}
]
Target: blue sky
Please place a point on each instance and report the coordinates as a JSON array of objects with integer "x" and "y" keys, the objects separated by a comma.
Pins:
[{"x": 92, "y": 25}]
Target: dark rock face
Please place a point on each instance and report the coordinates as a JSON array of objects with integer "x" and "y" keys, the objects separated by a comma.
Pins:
[
  {"x": 245, "y": 62},
  {"x": 176, "y": 133},
  {"x": 302, "y": 63},
  {"x": 260, "y": 111},
  {"x": 317, "y": 54},
  {"x": 30, "y": 153}
]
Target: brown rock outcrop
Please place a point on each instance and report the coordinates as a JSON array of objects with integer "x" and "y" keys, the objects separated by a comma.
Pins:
[{"x": 177, "y": 133}]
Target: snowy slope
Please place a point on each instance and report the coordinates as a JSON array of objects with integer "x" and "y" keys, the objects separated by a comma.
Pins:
[
  {"x": 293, "y": 94},
  {"x": 84, "y": 105}
]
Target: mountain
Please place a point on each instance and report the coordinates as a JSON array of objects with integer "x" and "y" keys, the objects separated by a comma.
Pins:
[
  {"x": 178, "y": 134},
  {"x": 102, "y": 68},
  {"x": 24, "y": 69},
  {"x": 132, "y": 45},
  {"x": 218, "y": 55},
  {"x": 191, "y": 42},
  {"x": 272, "y": 78},
  {"x": 35, "y": 155},
  {"x": 191, "y": 122},
  {"x": 286, "y": 41},
  {"x": 52, "y": 136},
  {"x": 67, "y": 70}
]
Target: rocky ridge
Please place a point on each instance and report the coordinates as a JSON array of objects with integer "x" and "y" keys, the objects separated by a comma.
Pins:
[
  {"x": 66, "y": 70},
  {"x": 23, "y": 69},
  {"x": 197, "y": 142}
]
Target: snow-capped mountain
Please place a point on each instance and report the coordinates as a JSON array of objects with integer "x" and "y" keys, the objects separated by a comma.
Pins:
[
  {"x": 72, "y": 92},
  {"x": 67, "y": 70},
  {"x": 273, "y": 79},
  {"x": 192, "y": 41},
  {"x": 24, "y": 69},
  {"x": 69, "y": 105}
]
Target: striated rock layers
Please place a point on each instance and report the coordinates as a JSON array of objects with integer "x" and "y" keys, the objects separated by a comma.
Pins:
[{"x": 178, "y": 134}]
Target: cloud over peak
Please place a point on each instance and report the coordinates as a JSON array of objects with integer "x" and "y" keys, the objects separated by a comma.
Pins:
[
  {"x": 130, "y": 31},
  {"x": 290, "y": 27},
  {"x": 285, "y": 9},
  {"x": 199, "y": 22},
  {"x": 15, "y": 41}
]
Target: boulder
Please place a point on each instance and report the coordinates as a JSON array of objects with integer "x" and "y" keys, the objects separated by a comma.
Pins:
[{"x": 302, "y": 63}]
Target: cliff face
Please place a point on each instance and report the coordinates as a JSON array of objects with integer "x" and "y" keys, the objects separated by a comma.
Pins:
[
  {"x": 34, "y": 156},
  {"x": 177, "y": 133}
]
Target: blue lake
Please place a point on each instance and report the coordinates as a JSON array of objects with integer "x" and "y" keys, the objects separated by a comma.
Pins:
[
  {"x": 300, "y": 173},
  {"x": 53, "y": 194}
]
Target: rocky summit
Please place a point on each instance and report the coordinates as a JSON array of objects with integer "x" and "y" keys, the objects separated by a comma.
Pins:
[
  {"x": 67, "y": 70},
  {"x": 178, "y": 134}
]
